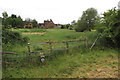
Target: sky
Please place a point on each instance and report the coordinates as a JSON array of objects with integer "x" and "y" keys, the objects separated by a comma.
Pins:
[{"x": 60, "y": 11}]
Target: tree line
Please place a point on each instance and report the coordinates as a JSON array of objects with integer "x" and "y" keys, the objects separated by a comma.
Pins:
[
  {"x": 108, "y": 25},
  {"x": 15, "y": 21}
]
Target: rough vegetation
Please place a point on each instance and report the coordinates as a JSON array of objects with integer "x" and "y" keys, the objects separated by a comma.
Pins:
[{"x": 78, "y": 61}]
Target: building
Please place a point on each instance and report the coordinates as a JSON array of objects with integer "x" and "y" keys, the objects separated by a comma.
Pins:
[
  {"x": 48, "y": 24},
  {"x": 28, "y": 25}
]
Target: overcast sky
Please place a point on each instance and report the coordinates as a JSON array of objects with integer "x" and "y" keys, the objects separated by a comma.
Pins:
[{"x": 60, "y": 11}]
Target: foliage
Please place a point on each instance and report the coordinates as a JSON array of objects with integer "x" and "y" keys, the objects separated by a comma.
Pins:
[
  {"x": 99, "y": 26},
  {"x": 87, "y": 21},
  {"x": 73, "y": 24},
  {"x": 53, "y": 35},
  {"x": 60, "y": 63},
  {"x": 110, "y": 27},
  {"x": 29, "y": 23},
  {"x": 12, "y": 21},
  {"x": 5, "y": 15},
  {"x": 34, "y": 23},
  {"x": 10, "y": 37},
  {"x": 15, "y": 21},
  {"x": 65, "y": 26},
  {"x": 0, "y": 20},
  {"x": 82, "y": 26}
]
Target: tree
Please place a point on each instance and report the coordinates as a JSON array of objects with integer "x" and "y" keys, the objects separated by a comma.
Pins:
[
  {"x": 5, "y": 15},
  {"x": 9, "y": 37},
  {"x": 87, "y": 20},
  {"x": 73, "y": 22},
  {"x": 13, "y": 16},
  {"x": 99, "y": 26},
  {"x": 13, "y": 22},
  {"x": 112, "y": 22},
  {"x": 28, "y": 20},
  {"x": 4, "y": 22},
  {"x": 19, "y": 22},
  {"x": 7, "y": 23},
  {"x": 0, "y": 20},
  {"x": 111, "y": 27},
  {"x": 34, "y": 23},
  {"x": 81, "y": 26},
  {"x": 12, "y": 38}
]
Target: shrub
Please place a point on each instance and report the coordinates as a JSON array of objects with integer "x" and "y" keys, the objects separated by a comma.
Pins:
[{"x": 10, "y": 37}]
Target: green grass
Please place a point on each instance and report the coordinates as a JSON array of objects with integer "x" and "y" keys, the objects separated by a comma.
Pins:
[
  {"x": 53, "y": 35},
  {"x": 64, "y": 65},
  {"x": 59, "y": 63},
  {"x": 59, "y": 35}
]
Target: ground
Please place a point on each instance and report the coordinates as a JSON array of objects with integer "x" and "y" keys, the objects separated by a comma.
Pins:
[{"x": 76, "y": 62}]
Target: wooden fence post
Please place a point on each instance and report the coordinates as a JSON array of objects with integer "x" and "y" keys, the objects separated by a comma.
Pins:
[
  {"x": 94, "y": 42},
  {"x": 50, "y": 45},
  {"x": 86, "y": 43},
  {"x": 29, "y": 48},
  {"x": 67, "y": 45}
]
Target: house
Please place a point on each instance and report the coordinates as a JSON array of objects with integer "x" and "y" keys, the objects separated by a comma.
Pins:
[
  {"x": 48, "y": 24},
  {"x": 28, "y": 25}
]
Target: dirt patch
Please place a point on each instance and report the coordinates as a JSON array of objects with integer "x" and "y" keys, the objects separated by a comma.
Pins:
[
  {"x": 104, "y": 72},
  {"x": 110, "y": 70},
  {"x": 40, "y": 33},
  {"x": 106, "y": 68}
]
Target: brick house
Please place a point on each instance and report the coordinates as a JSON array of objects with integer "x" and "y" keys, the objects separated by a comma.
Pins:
[
  {"x": 47, "y": 24},
  {"x": 28, "y": 25}
]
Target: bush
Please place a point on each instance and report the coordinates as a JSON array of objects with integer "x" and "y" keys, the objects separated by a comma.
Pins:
[
  {"x": 80, "y": 29},
  {"x": 111, "y": 28},
  {"x": 10, "y": 37}
]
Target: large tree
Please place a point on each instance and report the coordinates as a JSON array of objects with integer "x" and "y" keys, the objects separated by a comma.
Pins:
[
  {"x": 12, "y": 21},
  {"x": 87, "y": 20},
  {"x": 110, "y": 27},
  {"x": 34, "y": 23},
  {"x": 16, "y": 22}
]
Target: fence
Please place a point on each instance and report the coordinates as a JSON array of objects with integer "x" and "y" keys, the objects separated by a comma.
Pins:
[
  {"x": 16, "y": 60},
  {"x": 51, "y": 42}
]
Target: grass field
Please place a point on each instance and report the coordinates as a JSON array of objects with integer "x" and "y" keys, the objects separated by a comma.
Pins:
[
  {"x": 76, "y": 62},
  {"x": 52, "y": 35}
]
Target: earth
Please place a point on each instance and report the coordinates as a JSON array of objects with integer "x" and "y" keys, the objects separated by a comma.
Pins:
[{"x": 40, "y": 33}]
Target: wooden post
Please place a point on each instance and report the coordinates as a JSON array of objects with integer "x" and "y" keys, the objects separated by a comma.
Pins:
[
  {"x": 29, "y": 48},
  {"x": 94, "y": 42},
  {"x": 50, "y": 45},
  {"x": 67, "y": 45},
  {"x": 86, "y": 43}
]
